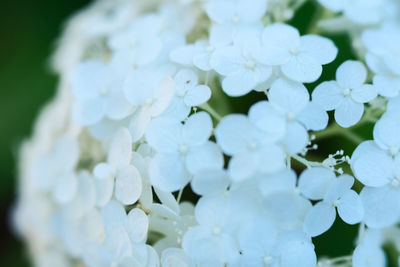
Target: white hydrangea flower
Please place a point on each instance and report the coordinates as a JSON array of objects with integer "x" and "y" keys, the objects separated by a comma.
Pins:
[
  {"x": 253, "y": 140},
  {"x": 338, "y": 194},
  {"x": 140, "y": 42},
  {"x": 369, "y": 252},
  {"x": 347, "y": 94},
  {"x": 98, "y": 188},
  {"x": 383, "y": 58},
  {"x": 117, "y": 173},
  {"x": 200, "y": 53},
  {"x": 98, "y": 87},
  {"x": 377, "y": 169},
  {"x": 233, "y": 16},
  {"x": 188, "y": 94},
  {"x": 55, "y": 171},
  {"x": 152, "y": 95},
  {"x": 279, "y": 190},
  {"x": 299, "y": 57},
  {"x": 358, "y": 11},
  {"x": 183, "y": 149},
  {"x": 211, "y": 236},
  {"x": 240, "y": 65},
  {"x": 291, "y": 99}
]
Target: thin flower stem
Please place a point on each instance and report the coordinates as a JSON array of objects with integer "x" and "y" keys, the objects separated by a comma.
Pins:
[
  {"x": 305, "y": 162},
  {"x": 210, "y": 110},
  {"x": 178, "y": 199}
]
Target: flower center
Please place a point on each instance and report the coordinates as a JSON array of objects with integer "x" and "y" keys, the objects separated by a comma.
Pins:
[
  {"x": 103, "y": 91},
  {"x": 210, "y": 49},
  {"x": 267, "y": 260},
  {"x": 235, "y": 19},
  {"x": 149, "y": 101},
  {"x": 216, "y": 231},
  {"x": 183, "y": 149},
  {"x": 250, "y": 64},
  {"x": 293, "y": 51},
  {"x": 346, "y": 92},
  {"x": 395, "y": 183},
  {"x": 290, "y": 116},
  {"x": 252, "y": 145},
  {"x": 393, "y": 151}
]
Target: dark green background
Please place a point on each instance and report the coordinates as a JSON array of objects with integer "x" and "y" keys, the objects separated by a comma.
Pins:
[{"x": 28, "y": 33}]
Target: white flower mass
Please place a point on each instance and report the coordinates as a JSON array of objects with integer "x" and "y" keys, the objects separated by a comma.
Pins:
[{"x": 140, "y": 159}]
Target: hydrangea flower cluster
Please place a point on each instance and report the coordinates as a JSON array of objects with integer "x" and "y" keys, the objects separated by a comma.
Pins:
[{"x": 141, "y": 160}]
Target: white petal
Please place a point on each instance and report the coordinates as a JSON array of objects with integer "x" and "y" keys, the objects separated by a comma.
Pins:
[
  {"x": 298, "y": 253},
  {"x": 225, "y": 60},
  {"x": 232, "y": 133},
  {"x": 348, "y": 113},
  {"x": 209, "y": 182},
  {"x": 369, "y": 256},
  {"x": 162, "y": 96},
  {"x": 197, "y": 129},
  {"x": 113, "y": 214},
  {"x": 380, "y": 206},
  {"x": 65, "y": 188},
  {"x": 271, "y": 158},
  {"x": 168, "y": 173},
  {"x": 371, "y": 165},
  {"x": 364, "y": 94},
  {"x": 319, "y": 219},
  {"x": 197, "y": 95},
  {"x": 284, "y": 180},
  {"x": 128, "y": 185},
  {"x": 328, "y": 94},
  {"x": 206, "y": 156},
  {"x": 302, "y": 68},
  {"x": 339, "y": 188},
  {"x": 314, "y": 117},
  {"x": 251, "y": 13},
  {"x": 296, "y": 138},
  {"x": 238, "y": 84},
  {"x": 288, "y": 95},
  {"x": 243, "y": 165},
  {"x": 164, "y": 135},
  {"x": 177, "y": 109},
  {"x": 184, "y": 54},
  {"x": 103, "y": 171},
  {"x": 387, "y": 86},
  {"x": 350, "y": 208},
  {"x": 386, "y": 132},
  {"x": 167, "y": 199},
  {"x": 88, "y": 112},
  {"x": 212, "y": 211},
  {"x": 139, "y": 121},
  {"x": 268, "y": 119},
  {"x": 118, "y": 107},
  {"x": 320, "y": 48},
  {"x": 137, "y": 225},
  {"x": 278, "y": 39},
  {"x": 314, "y": 182},
  {"x": 104, "y": 190},
  {"x": 120, "y": 151},
  {"x": 351, "y": 74}
]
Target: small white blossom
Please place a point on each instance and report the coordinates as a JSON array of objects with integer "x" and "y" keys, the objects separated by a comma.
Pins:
[
  {"x": 118, "y": 170},
  {"x": 299, "y": 57},
  {"x": 183, "y": 149},
  {"x": 347, "y": 94}
]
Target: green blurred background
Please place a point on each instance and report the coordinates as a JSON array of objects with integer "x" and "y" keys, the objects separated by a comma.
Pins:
[{"x": 28, "y": 30}]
